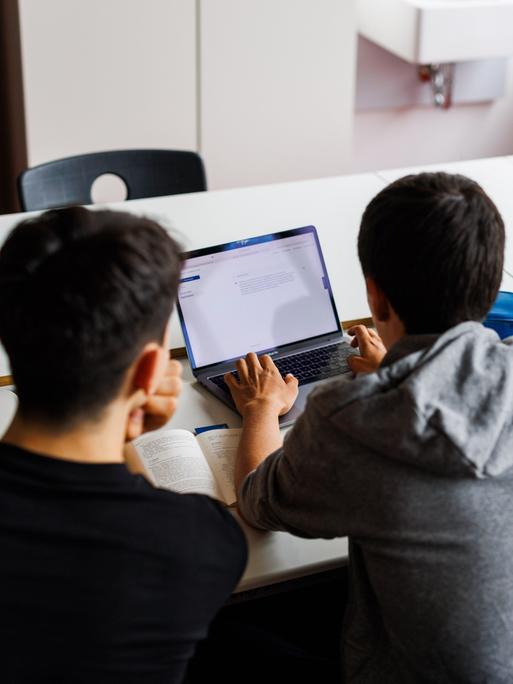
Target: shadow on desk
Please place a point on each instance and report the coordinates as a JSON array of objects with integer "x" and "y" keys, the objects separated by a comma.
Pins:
[{"x": 292, "y": 635}]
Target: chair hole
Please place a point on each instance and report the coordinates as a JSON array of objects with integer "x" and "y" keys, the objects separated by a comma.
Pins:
[{"x": 108, "y": 188}]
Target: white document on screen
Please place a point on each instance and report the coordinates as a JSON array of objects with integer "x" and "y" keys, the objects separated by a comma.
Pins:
[{"x": 255, "y": 298}]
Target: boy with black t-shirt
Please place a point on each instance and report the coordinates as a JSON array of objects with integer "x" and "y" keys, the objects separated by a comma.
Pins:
[{"x": 103, "y": 578}]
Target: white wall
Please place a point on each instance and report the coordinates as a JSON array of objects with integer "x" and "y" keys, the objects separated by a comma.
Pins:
[
  {"x": 277, "y": 89},
  {"x": 423, "y": 135},
  {"x": 107, "y": 74},
  {"x": 270, "y": 100}
]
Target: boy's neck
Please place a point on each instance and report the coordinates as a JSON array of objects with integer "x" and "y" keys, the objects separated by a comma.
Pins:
[{"x": 89, "y": 442}]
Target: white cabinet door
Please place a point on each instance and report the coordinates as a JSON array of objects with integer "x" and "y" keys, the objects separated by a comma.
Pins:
[
  {"x": 277, "y": 80},
  {"x": 108, "y": 74}
]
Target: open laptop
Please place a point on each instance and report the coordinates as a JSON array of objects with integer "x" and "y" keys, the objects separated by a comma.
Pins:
[{"x": 271, "y": 295}]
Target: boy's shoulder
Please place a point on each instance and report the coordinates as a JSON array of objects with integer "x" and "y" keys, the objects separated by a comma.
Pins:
[
  {"x": 340, "y": 393},
  {"x": 446, "y": 406},
  {"x": 201, "y": 534},
  {"x": 196, "y": 516},
  {"x": 467, "y": 349}
]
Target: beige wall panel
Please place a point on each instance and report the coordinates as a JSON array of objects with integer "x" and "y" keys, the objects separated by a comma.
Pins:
[
  {"x": 277, "y": 81},
  {"x": 107, "y": 74}
]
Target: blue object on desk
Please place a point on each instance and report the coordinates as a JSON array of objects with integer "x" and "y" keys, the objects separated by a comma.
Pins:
[
  {"x": 206, "y": 428},
  {"x": 500, "y": 317}
]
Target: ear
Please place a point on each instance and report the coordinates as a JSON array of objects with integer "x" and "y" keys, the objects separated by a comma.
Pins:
[
  {"x": 378, "y": 302},
  {"x": 149, "y": 368}
]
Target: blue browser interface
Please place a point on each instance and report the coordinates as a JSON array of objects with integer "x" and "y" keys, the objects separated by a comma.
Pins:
[{"x": 255, "y": 295}]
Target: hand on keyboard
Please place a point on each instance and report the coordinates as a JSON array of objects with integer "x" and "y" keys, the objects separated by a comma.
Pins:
[
  {"x": 260, "y": 386},
  {"x": 372, "y": 349},
  {"x": 307, "y": 366}
]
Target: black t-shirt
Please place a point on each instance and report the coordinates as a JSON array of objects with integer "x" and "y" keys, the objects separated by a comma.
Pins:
[{"x": 104, "y": 578}]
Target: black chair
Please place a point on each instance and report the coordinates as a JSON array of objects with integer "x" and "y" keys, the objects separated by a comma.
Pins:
[{"x": 146, "y": 173}]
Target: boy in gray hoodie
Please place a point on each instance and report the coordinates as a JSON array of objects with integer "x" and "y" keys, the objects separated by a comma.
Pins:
[{"x": 412, "y": 458}]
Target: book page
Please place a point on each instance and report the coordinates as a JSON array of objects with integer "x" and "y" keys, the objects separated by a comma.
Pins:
[
  {"x": 175, "y": 461},
  {"x": 220, "y": 449}
]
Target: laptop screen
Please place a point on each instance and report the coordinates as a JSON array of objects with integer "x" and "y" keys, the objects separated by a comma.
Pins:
[{"x": 255, "y": 295}]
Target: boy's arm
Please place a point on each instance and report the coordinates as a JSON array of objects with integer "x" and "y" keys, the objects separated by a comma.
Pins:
[
  {"x": 261, "y": 396},
  {"x": 285, "y": 475},
  {"x": 320, "y": 482}
]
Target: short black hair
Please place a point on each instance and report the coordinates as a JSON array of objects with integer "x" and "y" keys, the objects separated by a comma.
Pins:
[
  {"x": 81, "y": 293},
  {"x": 434, "y": 243}
]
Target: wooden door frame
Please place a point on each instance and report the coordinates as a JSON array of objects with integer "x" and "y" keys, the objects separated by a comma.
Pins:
[{"x": 13, "y": 138}]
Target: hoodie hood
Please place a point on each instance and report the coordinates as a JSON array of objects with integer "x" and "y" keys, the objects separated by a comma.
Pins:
[{"x": 440, "y": 403}]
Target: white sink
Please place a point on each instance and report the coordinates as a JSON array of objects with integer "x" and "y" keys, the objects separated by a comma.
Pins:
[{"x": 439, "y": 31}]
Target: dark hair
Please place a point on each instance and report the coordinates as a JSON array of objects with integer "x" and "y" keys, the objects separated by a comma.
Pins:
[
  {"x": 81, "y": 293},
  {"x": 434, "y": 243}
]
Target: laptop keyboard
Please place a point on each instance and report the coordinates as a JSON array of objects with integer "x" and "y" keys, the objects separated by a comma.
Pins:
[{"x": 309, "y": 366}]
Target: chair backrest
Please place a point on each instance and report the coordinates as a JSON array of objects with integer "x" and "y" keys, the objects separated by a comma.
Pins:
[{"x": 146, "y": 173}]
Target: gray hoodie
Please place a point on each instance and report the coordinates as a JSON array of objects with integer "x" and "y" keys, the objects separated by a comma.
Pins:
[{"x": 415, "y": 464}]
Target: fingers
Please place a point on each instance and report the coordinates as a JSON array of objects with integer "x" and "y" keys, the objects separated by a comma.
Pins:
[
  {"x": 174, "y": 367},
  {"x": 371, "y": 331},
  {"x": 159, "y": 404},
  {"x": 362, "y": 336},
  {"x": 158, "y": 411},
  {"x": 170, "y": 384},
  {"x": 154, "y": 409},
  {"x": 242, "y": 369},
  {"x": 359, "y": 364},
  {"x": 248, "y": 368},
  {"x": 135, "y": 424},
  {"x": 359, "y": 330},
  {"x": 267, "y": 363},
  {"x": 254, "y": 367},
  {"x": 291, "y": 380},
  {"x": 356, "y": 363},
  {"x": 292, "y": 384},
  {"x": 139, "y": 399},
  {"x": 231, "y": 380}
]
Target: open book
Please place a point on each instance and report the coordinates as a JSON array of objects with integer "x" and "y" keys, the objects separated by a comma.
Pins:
[{"x": 177, "y": 460}]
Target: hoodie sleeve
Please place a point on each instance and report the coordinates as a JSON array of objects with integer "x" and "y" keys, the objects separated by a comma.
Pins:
[{"x": 304, "y": 487}]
